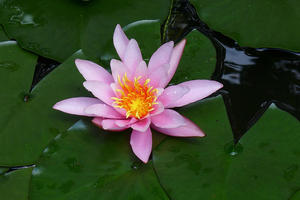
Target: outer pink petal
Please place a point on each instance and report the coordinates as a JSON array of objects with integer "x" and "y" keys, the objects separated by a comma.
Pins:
[
  {"x": 117, "y": 68},
  {"x": 199, "y": 89},
  {"x": 125, "y": 122},
  {"x": 168, "y": 119},
  {"x": 158, "y": 77},
  {"x": 93, "y": 72},
  {"x": 133, "y": 56},
  {"x": 141, "y": 125},
  {"x": 172, "y": 94},
  {"x": 120, "y": 41},
  {"x": 161, "y": 56},
  {"x": 141, "y": 144},
  {"x": 76, "y": 106},
  {"x": 103, "y": 110},
  {"x": 175, "y": 58},
  {"x": 106, "y": 124},
  {"x": 188, "y": 130},
  {"x": 100, "y": 90},
  {"x": 109, "y": 124}
]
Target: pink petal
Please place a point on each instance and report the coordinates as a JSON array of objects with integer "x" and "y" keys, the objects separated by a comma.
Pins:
[
  {"x": 103, "y": 110},
  {"x": 199, "y": 89},
  {"x": 141, "y": 144},
  {"x": 175, "y": 58},
  {"x": 158, "y": 108},
  {"x": 106, "y": 124},
  {"x": 117, "y": 69},
  {"x": 133, "y": 56},
  {"x": 120, "y": 41},
  {"x": 76, "y": 106},
  {"x": 168, "y": 119},
  {"x": 188, "y": 130},
  {"x": 125, "y": 122},
  {"x": 100, "y": 90},
  {"x": 141, "y": 70},
  {"x": 109, "y": 124},
  {"x": 141, "y": 125},
  {"x": 158, "y": 77},
  {"x": 93, "y": 72},
  {"x": 161, "y": 56},
  {"x": 172, "y": 94}
]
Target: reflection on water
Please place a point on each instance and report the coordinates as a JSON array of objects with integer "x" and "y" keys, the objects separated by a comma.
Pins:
[{"x": 253, "y": 78}]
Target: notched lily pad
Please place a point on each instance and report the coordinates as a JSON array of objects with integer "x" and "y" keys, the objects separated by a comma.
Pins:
[
  {"x": 93, "y": 164},
  {"x": 212, "y": 168},
  {"x": 14, "y": 185}
]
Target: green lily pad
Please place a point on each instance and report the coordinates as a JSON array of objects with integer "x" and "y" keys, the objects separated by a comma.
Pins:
[
  {"x": 14, "y": 185},
  {"x": 295, "y": 196},
  {"x": 264, "y": 166},
  {"x": 87, "y": 163},
  {"x": 254, "y": 23},
  {"x": 3, "y": 36},
  {"x": 56, "y": 29},
  {"x": 28, "y": 121}
]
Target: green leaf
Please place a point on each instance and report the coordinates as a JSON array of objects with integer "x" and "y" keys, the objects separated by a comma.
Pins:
[
  {"x": 254, "y": 23},
  {"x": 264, "y": 166},
  {"x": 56, "y": 29},
  {"x": 3, "y": 36},
  {"x": 88, "y": 163},
  {"x": 14, "y": 185},
  {"x": 28, "y": 121}
]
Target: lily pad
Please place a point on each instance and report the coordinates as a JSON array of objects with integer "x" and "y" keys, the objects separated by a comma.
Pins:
[
  {"x": 3, "y": 36},
  {"x": 254, "y": 23},
  {"x": 14, "y": 185},
  {"x": 86, "y": 163},
  {"x": 265, "y": 165},
  {"x": 56, "y": 29},
  {"x": 27, "y": 119}
]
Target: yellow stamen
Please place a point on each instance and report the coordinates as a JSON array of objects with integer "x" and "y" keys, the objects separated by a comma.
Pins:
[{"x": 136, "y": 98}]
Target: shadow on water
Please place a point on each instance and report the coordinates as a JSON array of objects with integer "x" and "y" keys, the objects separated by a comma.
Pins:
[{"x": 253, "y": 78}]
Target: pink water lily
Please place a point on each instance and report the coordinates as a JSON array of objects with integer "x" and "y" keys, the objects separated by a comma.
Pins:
[{"x": 134, "y": 95}]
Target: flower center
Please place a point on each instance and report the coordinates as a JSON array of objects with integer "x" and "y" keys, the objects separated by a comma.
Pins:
[{"x": 136, "y": 98}]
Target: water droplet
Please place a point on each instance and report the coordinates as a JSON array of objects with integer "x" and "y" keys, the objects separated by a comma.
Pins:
[
  {"x": 23, "y": 18},
  {"x": 9, "y": 65},
  {"x": 36, "y": 171},
  {"x": 25, "y": 97},
  {"x": 233, "y": 149},
  {"x": 137, "y": 164}
]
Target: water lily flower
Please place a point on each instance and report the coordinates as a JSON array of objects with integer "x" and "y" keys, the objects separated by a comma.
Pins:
[{"x": 136, "y": 96}]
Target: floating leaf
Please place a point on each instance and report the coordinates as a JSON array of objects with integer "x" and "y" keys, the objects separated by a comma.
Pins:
[
  {"x": 56, "y": 29},
  {"x": 265, "y": 165},
  {"x": 14, "y": 185},
  {"x": 254, "y": 23},
  {"x": 27, "y": 119},
  {"x": 94, "y": 165},
  {"x": 3, "y": 36}
]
